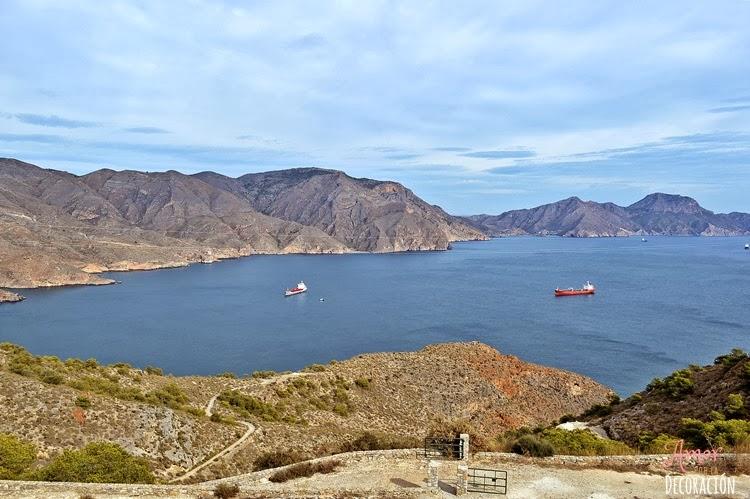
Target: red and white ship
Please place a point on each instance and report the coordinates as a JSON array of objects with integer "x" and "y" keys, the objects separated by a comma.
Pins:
[
  {"x": 587, "y": 289},
  {"x": 300, "y": 288}
]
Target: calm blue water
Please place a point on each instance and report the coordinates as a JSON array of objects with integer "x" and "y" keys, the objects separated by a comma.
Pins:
[{"x": 660, "y": 306}]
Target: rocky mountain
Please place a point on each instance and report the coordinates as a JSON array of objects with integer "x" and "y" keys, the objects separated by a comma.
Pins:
[
  {"x": 656, "y": 214},
  {"x": 363, "y": 214},
  {"x": 323, "y": 409},
  {"x": 57, "y": 228}
]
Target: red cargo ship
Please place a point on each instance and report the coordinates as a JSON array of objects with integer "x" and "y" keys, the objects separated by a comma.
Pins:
[{"x": 587, "y": 289}]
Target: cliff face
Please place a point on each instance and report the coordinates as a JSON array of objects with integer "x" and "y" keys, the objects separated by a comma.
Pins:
[
  {"x": 57, "y": 228},
  {"x": 656, "y": 214}
]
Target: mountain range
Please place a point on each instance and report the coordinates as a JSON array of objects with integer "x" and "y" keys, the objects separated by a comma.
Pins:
[
  {"x": 656, "y": 214},
  {"x": 57, "y": 228}
]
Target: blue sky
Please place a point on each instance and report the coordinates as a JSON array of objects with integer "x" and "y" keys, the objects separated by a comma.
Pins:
[{"x": 477, "y": 106}]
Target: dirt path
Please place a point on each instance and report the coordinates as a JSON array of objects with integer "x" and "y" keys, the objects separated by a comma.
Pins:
[{"x": 248, "y": 432}]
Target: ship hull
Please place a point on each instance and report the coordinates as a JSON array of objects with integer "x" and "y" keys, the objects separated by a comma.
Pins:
[{"x": 573, "y": 292}]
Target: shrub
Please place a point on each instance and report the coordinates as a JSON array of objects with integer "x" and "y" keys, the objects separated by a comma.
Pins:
[
  {"x": 341, "y": 409},
  {"x": 661, "y": 444},
  {"x": 16, "y": 457},
  {"x": 566, "y": 418},
  {"x": 598, "y": 410},
  {"x": 227, "y": 374},
  {"x": 314, "y": 368},
  {"x": 531, "y": 445},
  {"x": 154, "y": 370},
  {"x": 82, "y": 402},
  {"x": 225, "y": 491},
  {"x": 216, "y": 418},
  {"x": 276, "y": 459},
  {"x": 372, "y": 441},
  {"x": 51, "y": 377},
  {"x": 735, "y": 405},
  {"x": 583, "y": 443},
  {"x": 248, "y": 406},
  {"x": 732, "y": 358},
  {"x": 721, "y": 433},
  {"x": 170, "y": 395},
  {"x": 304, "y": 470},
  {"x": 363, "y": 383},
  {"x": 676, "y": 385},
  {"x": 263, "y": 374},
  {"x": 101, "y": 462}
]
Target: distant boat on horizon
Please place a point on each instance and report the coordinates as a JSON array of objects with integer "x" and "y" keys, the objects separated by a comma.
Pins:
[
  {"x": 300, "y": 288},
  {"x": 643, "y": 239},
  {"x": 747, "y": 246},
  {"x": 587, "y": 289}
]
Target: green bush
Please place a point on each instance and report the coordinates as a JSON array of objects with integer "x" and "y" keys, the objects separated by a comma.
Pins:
[
  {"x": 583, "y": 443},
  {"x": 721, "y": 433},
  {"x": 676, "y": 385},
  {"x": 735, "y": 407},
  {"x": 228, "y": 374},
  {"x": 16, "y": 457},
  {"x": 531, "y": 445},
  {"x": 363, "y": 383},
  {"x": 314, "y": 368},
  {"x": 170, "y": 395},
  {"x": 598, "y": 410},
  {"x": 100, "y": 462},
  {"x": 156, "y": 371},
  {"x": 82, "y": 402},
  {"x": 247, "y": 406},
  {"x": 276, "y": 459},
  {"x": 226, "y": 491},
  {"x": 659, "y": 444},
  {"x": 263, "y": 374},
  {"x": 51, "y": 377},
  {"x": 732, "y": 358}
]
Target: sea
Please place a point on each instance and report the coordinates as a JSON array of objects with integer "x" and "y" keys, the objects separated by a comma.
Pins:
[{"x": 660, "y": 305}]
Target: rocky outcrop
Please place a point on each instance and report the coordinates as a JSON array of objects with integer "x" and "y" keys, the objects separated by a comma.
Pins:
[
  {"x": 9, "y": 297},
  {"x": 656, "y": 214}
]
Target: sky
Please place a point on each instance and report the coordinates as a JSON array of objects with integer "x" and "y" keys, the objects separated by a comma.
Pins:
[{"x": 478, "y": 106}]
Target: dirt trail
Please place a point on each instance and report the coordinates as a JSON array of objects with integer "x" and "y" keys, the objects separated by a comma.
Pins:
[{"x": 248, "y": 432}]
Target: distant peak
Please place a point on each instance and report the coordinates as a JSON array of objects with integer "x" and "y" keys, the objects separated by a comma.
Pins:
[{"x": 667, "y": 203}]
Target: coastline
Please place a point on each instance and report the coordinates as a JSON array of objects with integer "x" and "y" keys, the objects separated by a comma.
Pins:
[{"x": 215, "y": 256}]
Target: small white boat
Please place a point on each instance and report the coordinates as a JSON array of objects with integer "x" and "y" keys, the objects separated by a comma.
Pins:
[
  {"x": 643, "y": 239},
  {"x": 747, "y": 246},
  {"x": 300, "y": 288}
]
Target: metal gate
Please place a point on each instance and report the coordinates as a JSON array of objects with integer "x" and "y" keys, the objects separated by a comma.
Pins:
[
  {"x": 445, "y": 448},
  {"x": 488, "y": 481}
]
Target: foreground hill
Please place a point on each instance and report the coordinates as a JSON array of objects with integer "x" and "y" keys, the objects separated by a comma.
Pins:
[
  {"x": 705, "y": 405},
  {"x": 656, "y": 214},
  {"x": 324, "y": 409},
  {"x": 58, "y": 229}
]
